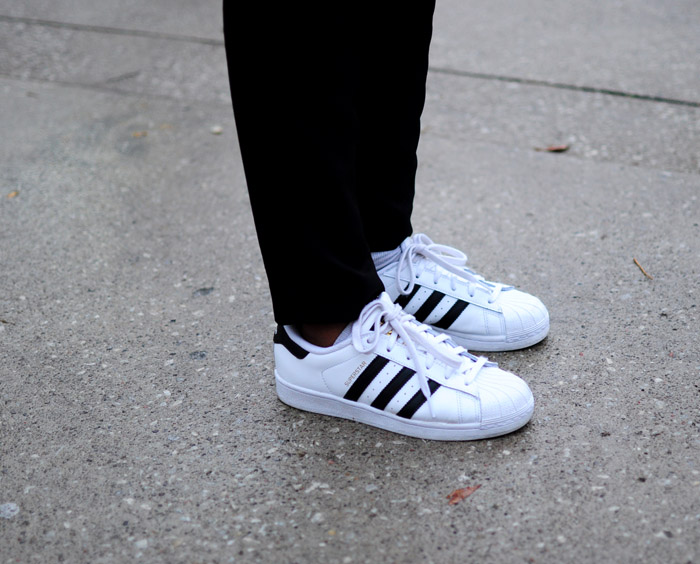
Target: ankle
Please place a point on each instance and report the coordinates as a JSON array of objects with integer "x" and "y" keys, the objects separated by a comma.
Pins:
[{"x": 321, "y": 334}]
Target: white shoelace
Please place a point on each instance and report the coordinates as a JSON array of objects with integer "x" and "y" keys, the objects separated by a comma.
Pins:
[
  {"x": 368, "y": 329},
  {"x": 450, "y": 259}
]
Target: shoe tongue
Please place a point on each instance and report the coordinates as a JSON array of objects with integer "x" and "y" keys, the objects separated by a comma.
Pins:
[{"x": 386, "y": 301}]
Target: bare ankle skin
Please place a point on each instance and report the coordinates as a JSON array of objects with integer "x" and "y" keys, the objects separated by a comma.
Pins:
[{"x": 321, "y": 334}]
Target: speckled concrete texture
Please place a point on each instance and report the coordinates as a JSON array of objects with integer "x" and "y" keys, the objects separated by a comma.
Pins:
[{"x": 138, "y": 416}]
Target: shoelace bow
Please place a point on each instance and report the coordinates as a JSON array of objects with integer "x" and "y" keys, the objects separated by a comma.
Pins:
[
  {"x": 449, "y": 258},
  {"x": 405, "y": 327}
]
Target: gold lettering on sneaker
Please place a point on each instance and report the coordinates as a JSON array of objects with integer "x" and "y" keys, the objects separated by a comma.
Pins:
[{"x": 355, "y": 373}]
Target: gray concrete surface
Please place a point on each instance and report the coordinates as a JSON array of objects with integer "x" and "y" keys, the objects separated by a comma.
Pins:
[{"x": 138, "y": 419}]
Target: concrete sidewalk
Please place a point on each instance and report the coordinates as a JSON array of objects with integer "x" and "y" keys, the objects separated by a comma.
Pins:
[{"x": 138, "y": 416}]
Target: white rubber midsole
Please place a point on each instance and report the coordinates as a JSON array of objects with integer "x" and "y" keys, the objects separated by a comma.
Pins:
[
  {"x": 500, "y": 343},
  {"x": 327, "y": 404}
]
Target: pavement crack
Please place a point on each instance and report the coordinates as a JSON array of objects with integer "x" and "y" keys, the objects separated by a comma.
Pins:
[
  {"x": 113, "y": 30},
  {"x": 434, "y": 69},
  {"x": 564, "y": 86},
  {"x": 105, "y": 89},
  {"x": 119, "y": 78}
]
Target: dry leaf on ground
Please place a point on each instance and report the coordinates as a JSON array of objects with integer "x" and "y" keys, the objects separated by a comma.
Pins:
[
  {"x": 458, "y": 495},
  {"x": 554, "y": 148}
]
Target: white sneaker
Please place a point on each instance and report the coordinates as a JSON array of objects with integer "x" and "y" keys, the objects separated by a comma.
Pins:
[
  {"x": 402, "y": 376},
  {"x": 436, "y": 287}
]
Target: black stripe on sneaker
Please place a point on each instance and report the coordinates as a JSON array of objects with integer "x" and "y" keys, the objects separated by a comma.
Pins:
[
  {"x": 451, "y": 316},
  {"x": 415, "y": 403},
  {"x": 392, "y": 388},
  {"x": 282, "y": 338},
  {"x": 429, "y": 305},
  {"x": 365, "y": 378},
  {"x": 403, "y": 300}
]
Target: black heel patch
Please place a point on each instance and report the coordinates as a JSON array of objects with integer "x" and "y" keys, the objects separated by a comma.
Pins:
[{"x": 282, "y": 338}]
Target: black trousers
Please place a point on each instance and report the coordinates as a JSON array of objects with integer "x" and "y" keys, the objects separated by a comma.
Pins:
[{"x": 327, "y": 98}]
